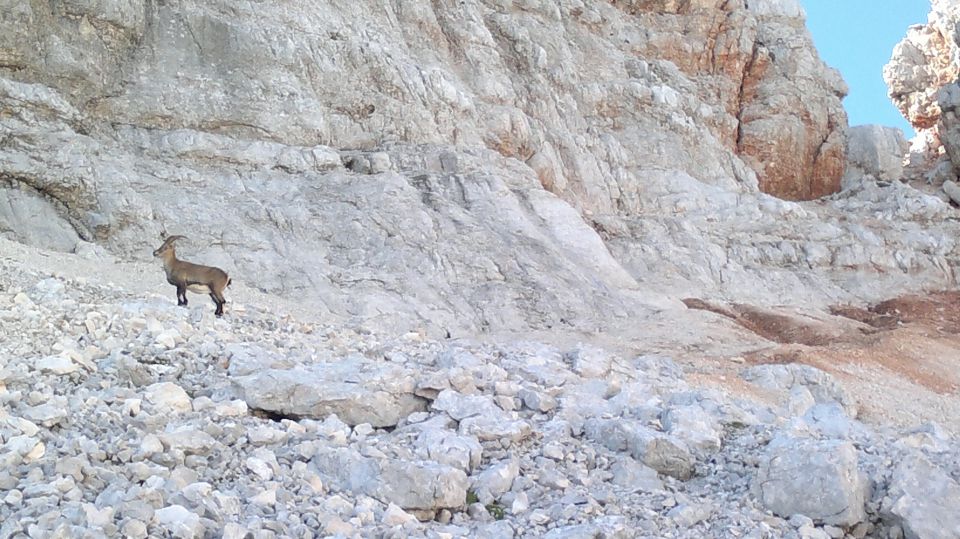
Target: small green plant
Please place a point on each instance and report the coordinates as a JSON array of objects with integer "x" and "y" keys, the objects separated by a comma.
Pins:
[
  {"x": 472, "y": 497},
  {"x": 495, "y": 510}
]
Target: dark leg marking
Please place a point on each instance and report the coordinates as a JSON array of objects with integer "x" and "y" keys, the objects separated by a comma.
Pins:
[
  {"x": 181, "y": 295},
  {"x": 219, "y": 302}
]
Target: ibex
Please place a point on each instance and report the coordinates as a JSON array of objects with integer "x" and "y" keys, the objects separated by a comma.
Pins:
[{"x": 193, "y": 277}]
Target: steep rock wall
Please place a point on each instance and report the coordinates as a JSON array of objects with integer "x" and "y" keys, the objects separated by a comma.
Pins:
[
  {"x": 477, "y": 165},
  {"x": 560, "y": 85}
]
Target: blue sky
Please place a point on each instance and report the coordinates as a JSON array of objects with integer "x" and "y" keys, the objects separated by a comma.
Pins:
[{"x": 857, "y": 37}]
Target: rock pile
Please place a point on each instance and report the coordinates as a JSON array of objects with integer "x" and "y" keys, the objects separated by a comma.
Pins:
[{"x": 124, "y": 416}]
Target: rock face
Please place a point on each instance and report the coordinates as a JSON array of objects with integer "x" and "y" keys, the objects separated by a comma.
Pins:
[
  {"x": 455, "y": 168},
  {"x": 536, "y": 78},
  {"x": 790, "y": 127},
  {"x": 921, "y": 77},
  {"x": 923, "y": 63}
]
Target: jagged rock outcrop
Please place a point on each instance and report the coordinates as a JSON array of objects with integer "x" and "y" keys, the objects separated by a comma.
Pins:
[
  {"x": 923, "y": 63},
  {"x": 924, "y": 67}
]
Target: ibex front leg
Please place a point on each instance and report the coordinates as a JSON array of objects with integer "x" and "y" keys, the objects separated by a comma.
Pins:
[{"x": 181, "y": 295}]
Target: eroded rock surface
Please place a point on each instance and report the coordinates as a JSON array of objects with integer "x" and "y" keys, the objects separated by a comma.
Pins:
[
  {"x": 478, "y": 171},
  {"x": 922, "y": 82}
]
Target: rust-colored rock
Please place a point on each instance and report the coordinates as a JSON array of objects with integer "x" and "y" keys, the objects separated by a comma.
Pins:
[{"x": 762, "y": 65}]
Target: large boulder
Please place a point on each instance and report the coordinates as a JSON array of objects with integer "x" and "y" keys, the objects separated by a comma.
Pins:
[
  {"x": 664, "y": 453},
  {"x": 819, "y": 479},
  {"x": 356, "y": 390},
  {"x": 414, "y": 485},
  {"x": 924, "y": 500}
]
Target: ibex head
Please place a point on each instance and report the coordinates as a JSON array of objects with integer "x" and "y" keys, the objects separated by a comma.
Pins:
[{"x": 167, "y": 245}]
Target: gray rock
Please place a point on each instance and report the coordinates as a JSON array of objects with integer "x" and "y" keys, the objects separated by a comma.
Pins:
[
  {"x": 344, "y": 470},
  {"x": 662, "y": 452},
  {"x": 949, "y": 101},
  {"x": 687, "y": 515},
  {"x": 783, "y": 378},
  {"x": 496, "y": 480},
  {"x": 589, "y": 361},
  {"x": 612, "y": 527},
  {"x": 134, "y": 529},
  {"x": 48, "y": 414},
  {"x": 819, "y": 479},
  {"x": 929, "y": 437},
  {"x": 424, "y": 486},
  {"x": 631, "y": 474},
  {"x": 56, "y": 365},
  {"x": 460, "y": 407},
  {"x": 831, "y": 421},
  {"x": 168, "y": 397},
  {"x": 924, "y": 500},
  {"x": 412, "y": 485},
  {"x": 809, "y": 532},
  {"x": 537, "y": 401},
  {"x": 694, "y": 426},
  {"x": 952, "y": 189},
  {"x": 179, "y": 522},
  {"x": 395, "y": 516},
  {"x": 446, "y": 447},
  {"x": 500, "y": 529},
  {"x": 876, "y": 150},
  {"x": 190, "y": 440},
  {"x": 357, "y": 391},
  {"x": 480, "y": 417}
]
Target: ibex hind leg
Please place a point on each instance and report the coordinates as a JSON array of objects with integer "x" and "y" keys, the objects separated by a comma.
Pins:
[{"x": 219, "y": 301}]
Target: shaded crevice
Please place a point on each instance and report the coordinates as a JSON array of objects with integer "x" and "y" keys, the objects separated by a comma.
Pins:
[
  {"x": 62, "y": 209},
  {"x": 273, "y": 415},
  {"x": 741, "y": 91}
]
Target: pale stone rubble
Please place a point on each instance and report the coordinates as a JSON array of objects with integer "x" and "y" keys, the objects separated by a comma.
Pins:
[{"x": 106, "y": 431}]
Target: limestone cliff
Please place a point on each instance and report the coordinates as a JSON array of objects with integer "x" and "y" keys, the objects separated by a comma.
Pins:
[{"x": 479, "y": 164}]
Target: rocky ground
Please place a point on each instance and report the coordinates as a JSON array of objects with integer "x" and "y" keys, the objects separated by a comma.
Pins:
[
  {"x": 501, "y": 269},
  {"x": 123, "y": 414}
]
